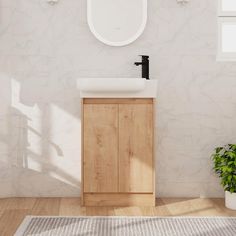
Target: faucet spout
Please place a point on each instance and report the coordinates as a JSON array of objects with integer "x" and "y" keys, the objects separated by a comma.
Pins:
[{"x": 138, "y": 63}]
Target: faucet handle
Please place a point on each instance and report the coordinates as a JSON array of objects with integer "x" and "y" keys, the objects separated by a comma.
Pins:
[{"x": 144, "y": 57}]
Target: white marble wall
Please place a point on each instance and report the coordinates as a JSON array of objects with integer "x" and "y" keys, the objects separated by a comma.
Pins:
[{"x": 43, "y": 49}]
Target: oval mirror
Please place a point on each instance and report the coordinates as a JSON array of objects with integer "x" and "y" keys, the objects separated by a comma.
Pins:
[{"x": 117, "y": 22}]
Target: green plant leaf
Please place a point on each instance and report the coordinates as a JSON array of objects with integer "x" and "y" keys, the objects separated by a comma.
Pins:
[{"x": 224, "y": 159}]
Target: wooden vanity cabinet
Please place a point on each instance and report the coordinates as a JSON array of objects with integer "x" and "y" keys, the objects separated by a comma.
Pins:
[{"x": 117, "y": 156}]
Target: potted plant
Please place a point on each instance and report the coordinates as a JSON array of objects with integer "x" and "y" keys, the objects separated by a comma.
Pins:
[{"x": 225, "y": 167}]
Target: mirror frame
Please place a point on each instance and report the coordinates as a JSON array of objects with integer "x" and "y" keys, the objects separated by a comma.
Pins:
[{"x": 119, "y": 43}]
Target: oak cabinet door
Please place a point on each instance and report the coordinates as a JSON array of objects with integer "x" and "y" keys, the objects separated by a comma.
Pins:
[
  {"x": 136, "y": 148},
  {"x": 100, "y": 148}
]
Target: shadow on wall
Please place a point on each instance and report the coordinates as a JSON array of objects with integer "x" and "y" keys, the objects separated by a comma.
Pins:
[{"x": 40, "y": 155}]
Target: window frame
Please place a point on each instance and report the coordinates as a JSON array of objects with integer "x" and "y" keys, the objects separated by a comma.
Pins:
[
  {"x": 224, "y": 16},
  {"x": 224, "y": 56},
  {"x": 222, "y": 13}
]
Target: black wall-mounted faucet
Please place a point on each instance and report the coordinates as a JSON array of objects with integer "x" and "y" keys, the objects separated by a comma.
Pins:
[{"x": 145, "y": 66}]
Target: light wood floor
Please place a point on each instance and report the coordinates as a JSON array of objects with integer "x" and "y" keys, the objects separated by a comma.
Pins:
[{"x": 13, "y": 210}]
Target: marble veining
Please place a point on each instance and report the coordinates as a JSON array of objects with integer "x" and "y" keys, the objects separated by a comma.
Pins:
[{"x": 44, "y": 49}]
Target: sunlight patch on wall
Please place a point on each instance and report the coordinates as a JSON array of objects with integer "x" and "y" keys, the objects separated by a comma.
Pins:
[
  {"x": 25, "y": 129},
  {"x": 5, "y": 92},
  {"x": 65, "y": 136}
]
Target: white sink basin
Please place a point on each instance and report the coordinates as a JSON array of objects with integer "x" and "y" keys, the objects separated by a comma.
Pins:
[
  {"x": 117, "y": 88},
  {"x": 97, "y": 85}
]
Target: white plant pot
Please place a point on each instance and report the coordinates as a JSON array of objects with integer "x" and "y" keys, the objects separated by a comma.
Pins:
[{"x": 230, "y": 200}]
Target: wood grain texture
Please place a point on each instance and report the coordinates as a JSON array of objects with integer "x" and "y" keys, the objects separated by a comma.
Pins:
[
  {"x": 71, "y": 207},
  {"x": 100, "y": 211},
  {"x": 128, "y": 211},
  {"x": 46, "y": 206},
  {"x": 118, "y": 152},
  {"x": 11, "y": 220},
  {"x": 136, "y": 148},
  {"x": 100, "y": 148},
  {"x": 13, "y": 214},
  {"x": 119, "y": 199},
  {"x": 82, "y": 152}
]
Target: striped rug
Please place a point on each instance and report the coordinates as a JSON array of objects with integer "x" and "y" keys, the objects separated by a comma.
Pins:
[{"x": 127, "y": 226}]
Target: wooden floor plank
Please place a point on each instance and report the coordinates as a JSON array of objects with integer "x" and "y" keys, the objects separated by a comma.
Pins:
[
  {"x": 46, "y": 206},
  {"x": 71, "y": 207},
  {"x": 128, "y": 211},
  {"x": 13, "y": 210},
  {"x": 178, "y": 207},
  {"x": 204, "y": 207},
  {"x": 148, "y": 211},
  {"x": 219, "y": 204},
  {"x": 161, "y": 209},
  {"x": 11, "y": 220},
  {"x": 20, "y": 203},
  {"x": 4, "y": 203},
  {"x": 100, "y": 211}
]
